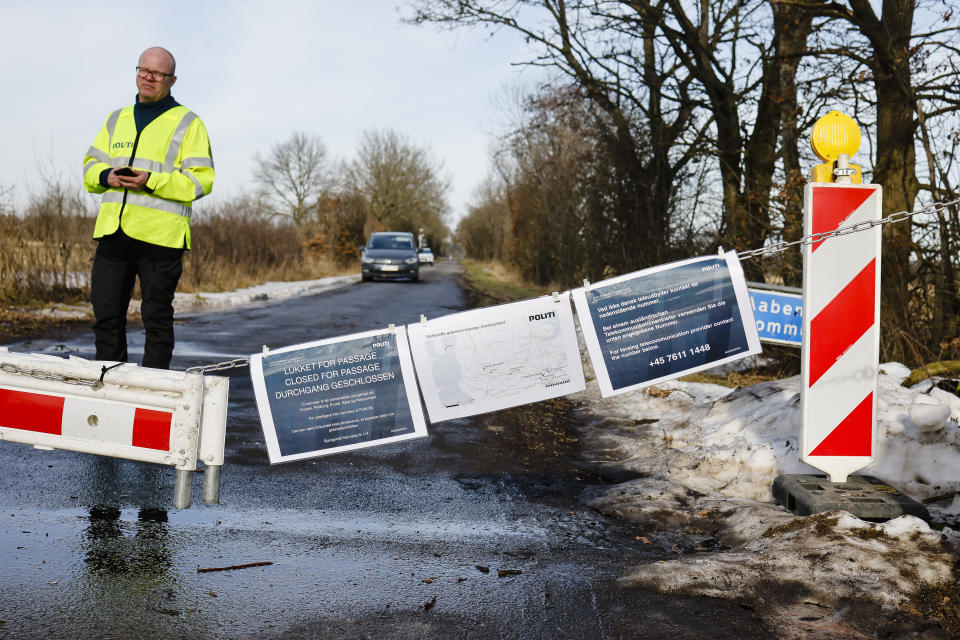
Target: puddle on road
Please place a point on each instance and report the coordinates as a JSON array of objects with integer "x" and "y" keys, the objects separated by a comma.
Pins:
[
  {"x": 123, "y": 572},
  {"x": 47, "y": 547},
  {"x": 319, "y": 523}
]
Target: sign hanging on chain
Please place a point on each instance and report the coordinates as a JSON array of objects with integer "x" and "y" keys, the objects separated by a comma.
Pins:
[
  {"x": 497, "y": 357},
  {"x": 337, "y": 395},
  {"x": 666, "y": 321}
]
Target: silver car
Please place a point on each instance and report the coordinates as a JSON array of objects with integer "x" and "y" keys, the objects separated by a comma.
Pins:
[{"x": 390, "y": 254}]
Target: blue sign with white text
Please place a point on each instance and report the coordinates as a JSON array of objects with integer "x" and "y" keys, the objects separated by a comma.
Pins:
[
  {"x": 336, "y": 394},
  {"x": 676, "y": 319},
  {"x": 779, "y": 316}
]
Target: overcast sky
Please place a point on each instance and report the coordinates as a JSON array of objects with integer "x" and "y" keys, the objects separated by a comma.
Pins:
[{"x": 255, "y": 72}]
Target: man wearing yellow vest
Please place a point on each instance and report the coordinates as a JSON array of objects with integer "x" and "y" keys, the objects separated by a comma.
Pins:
[{"x": 150, "y": 161}]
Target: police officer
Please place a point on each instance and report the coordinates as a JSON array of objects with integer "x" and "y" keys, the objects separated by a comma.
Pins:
[{"x": 150, "y": 161}]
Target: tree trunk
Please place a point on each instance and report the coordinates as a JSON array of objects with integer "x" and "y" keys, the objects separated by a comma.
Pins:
[
  {"x": 895, "y": 168},
  {"x": 746, "y": 168},
  {"x": 946, "y": 300},
  {"x": 792, "y": 25}
]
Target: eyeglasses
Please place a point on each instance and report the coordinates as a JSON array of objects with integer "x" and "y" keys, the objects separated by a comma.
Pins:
[{"x": 153, "y": 75}]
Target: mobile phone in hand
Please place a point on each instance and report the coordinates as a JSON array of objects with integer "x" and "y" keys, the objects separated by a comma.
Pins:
[{"x": 125, "y": 171}]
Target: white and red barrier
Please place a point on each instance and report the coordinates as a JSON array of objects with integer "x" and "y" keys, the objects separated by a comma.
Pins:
[
  {"x": 164, "y": 417},
  {"x": 841, "y": 329}
]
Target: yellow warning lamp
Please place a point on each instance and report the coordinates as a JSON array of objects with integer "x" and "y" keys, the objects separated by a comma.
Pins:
[{"x": 835, "y": 137}]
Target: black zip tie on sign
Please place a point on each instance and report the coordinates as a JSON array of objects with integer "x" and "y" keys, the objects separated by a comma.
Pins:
[{"x": 103, "y": 372}]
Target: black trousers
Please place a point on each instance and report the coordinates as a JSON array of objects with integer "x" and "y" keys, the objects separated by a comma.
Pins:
[{"x": 119, "y": 261}]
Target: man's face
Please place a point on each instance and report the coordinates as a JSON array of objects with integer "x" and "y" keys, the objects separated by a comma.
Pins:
[{"x": 154, "y": 86}]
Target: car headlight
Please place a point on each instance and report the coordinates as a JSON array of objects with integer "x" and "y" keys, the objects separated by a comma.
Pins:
[
  {"x": 366, "y": 260},
  {"x": 412, "y": 260}
]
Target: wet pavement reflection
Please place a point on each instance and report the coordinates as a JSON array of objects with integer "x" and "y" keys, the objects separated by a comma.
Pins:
[
  {"x": 114, "y": 547},
  {"x": 449, "y": 536}
]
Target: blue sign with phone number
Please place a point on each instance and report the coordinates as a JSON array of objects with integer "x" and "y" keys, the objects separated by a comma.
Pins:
[{"x": 671, "y": 321}]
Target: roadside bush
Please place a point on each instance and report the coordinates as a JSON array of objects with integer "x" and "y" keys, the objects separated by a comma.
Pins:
[
  {"x": 45, "y": 253},
  {"x": 238, "y": 250},
  {"x": 46, "y": 250}
]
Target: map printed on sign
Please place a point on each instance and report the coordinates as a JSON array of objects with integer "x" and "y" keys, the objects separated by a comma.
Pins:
[
  {"x": 498, "y": 357},
  {"x": 337, "y": 395},
  {"x": 666, "y": 321}
]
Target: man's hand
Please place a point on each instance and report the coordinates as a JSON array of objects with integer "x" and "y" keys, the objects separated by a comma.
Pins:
[{"x": 134, "y": 182}]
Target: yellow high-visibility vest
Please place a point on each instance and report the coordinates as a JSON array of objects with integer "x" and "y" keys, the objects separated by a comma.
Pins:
[{"x": 175, "y": 149}]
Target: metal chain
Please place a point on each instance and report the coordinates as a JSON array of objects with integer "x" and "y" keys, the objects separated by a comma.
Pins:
[
  {"x": 7, "y": 367},
  {"x": 43, "y": 375},
  {"x": 777, "y": 247},
  {"x": 221, "y": 366}
]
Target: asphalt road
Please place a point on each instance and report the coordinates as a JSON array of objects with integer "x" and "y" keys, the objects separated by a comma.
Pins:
[{"x": 473, "y": 532}]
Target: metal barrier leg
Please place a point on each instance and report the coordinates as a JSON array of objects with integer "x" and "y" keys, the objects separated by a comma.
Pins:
[
  {"x": 182, "y": 488},
  {"x": 211, "y": 484}
]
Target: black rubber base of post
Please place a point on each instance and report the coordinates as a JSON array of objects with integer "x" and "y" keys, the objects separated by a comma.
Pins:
[{"x": 863, "y": 496}]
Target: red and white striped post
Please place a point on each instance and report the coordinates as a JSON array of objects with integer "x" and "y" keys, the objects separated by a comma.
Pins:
[{"x": 841, "y": 329}]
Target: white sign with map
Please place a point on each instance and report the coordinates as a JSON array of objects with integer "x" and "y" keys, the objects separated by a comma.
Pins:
[{"x": 497, "y": 357}]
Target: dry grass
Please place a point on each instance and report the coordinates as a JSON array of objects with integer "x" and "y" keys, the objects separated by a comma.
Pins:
[
  {"x": 43, "y": 262},
  {"x": 233, "y": 252},
  {"x": 490, "y": 283},
  {"x": 46, "y": 252},
  {"x": 732, "y": 379}
]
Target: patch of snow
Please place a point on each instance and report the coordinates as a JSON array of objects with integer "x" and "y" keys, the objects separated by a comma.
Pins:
[
  {"x": 252, "y": 296},
  {"x": 63, "y": 311},
  {"x": 895, "y": 370},
  {"x": 709, "y": 455},
  {"x": 928, "y": 417},
  {"x": 189, "y": 303},
  {"x": 833, "y": 555}
]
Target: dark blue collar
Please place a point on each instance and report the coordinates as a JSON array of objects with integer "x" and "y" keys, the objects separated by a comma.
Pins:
[{"x": 146, "y": 112}]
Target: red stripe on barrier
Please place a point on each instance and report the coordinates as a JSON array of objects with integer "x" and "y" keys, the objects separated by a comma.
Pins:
[
  {"x": 841, "y": 323},
  {"x": 31, "y": 411},
  {"x": 853, "y": 436},
  {"x": 151, "y": 429},
  {"x": 831, "y": 206}
]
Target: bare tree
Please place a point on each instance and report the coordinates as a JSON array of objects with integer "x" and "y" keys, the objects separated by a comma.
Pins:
[
  {"x": 342, "y": 218},
  {"x": 550, "y": 167},
  {"x": 485, "y": 231},
  {"x": 904, "y": 49},
  {"x": 937, "y": 96},
  {"x": 293, "y": 177},
  {"x": 402, "y": 183},
  {"x": 6, "y": 200},
  {"x": 676, "y": 80},
  {"x": 618, "y": 64}
]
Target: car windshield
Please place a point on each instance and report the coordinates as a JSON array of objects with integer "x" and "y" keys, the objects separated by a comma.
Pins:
[{"x": 390, "y": 242}]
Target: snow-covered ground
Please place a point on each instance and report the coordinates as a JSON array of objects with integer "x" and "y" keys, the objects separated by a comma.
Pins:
[
  {"x": 260, "y": 294},
  {"x": 709, "y": 455},
  {"x": 222, "y": 301}
]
